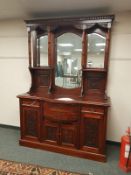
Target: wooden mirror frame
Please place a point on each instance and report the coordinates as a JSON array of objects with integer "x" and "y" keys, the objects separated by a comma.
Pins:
[{"x": 56, "y": 27}]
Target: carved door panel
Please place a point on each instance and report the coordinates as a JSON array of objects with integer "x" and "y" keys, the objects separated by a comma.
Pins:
[
  {"x": 92, "y": 130},
  {"x": 30, "y": 122},
  {"x": 51, "y": 132},
  {"x": 69, "y": 135}
]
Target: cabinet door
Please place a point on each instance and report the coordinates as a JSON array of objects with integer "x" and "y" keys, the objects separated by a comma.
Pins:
[
  {"x": 92, "y": 132},
  {"x": 30, "y": 122},
  {"x": 51, "y": 132},
  {"x": 69, "y": 135}
]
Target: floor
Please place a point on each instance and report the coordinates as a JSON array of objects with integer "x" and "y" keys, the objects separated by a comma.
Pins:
[{"x": 10, "y": 150}]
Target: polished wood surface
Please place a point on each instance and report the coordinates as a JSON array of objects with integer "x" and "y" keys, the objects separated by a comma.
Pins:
[{"x": 68, "y": 121}]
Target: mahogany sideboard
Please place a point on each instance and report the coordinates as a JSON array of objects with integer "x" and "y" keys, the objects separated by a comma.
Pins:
[{"x": 69, "y": 117}]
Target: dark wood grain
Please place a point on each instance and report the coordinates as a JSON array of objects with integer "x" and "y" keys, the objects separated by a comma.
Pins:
[{"x": 68, "y": 121}]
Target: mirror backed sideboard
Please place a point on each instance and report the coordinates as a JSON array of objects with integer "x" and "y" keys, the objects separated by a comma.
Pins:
[{"x": 66, "y": 108}]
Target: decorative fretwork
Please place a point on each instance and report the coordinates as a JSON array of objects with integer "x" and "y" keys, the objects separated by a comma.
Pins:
[
  {"x": 51, "y": 133},
  {"x": 31, "y": 123},
  {"x": 44, "y": 80},
  {"x": 67, "y": 136},
  {"x": 91, "y": 132},
  {"x": 95, "y": 81}
]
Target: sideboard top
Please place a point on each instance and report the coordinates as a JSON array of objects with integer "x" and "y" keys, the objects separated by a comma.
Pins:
[{"x": 54, "y": 98}]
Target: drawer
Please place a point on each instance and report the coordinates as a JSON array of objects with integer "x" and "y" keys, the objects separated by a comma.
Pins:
[
  {"x": 61, "y": 112},
  {"x": 31, "y": 103},
  {"x": 61, "y": 107},
  {"x": 92, "y": 116},
  {"x": 92, "y": 109}
]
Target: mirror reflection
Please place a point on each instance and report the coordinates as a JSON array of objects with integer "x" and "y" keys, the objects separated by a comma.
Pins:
[
  {"x": 43, "y": 50},
  {"x": 68, "y": 68},
  {"x": 96, "y": 50}
]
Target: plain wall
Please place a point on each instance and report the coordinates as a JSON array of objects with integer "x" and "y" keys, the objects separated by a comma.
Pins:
[
  {"x": 119, "y": 77},
  {"x": 14, "y": 74},
  {"x": 15, "y": 77}
]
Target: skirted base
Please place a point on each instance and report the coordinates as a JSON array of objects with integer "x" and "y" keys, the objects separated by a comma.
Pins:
[{"x": 64, "y": 150}]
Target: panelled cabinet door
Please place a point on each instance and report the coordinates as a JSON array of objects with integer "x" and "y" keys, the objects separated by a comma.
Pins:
[
  {"x": 69, "y": 135},
  {"x": 30, "y": 122},
  {"x": 50, "y": 132},
  {"x": 92, "y": 132}
]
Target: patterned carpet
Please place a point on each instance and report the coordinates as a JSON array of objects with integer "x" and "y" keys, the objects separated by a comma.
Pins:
[{"x": 15, "y": 168}]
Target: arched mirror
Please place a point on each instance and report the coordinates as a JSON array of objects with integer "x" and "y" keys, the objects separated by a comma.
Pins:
[
  {"x": 42, "y": 46},
  {"x": 68, "y": 63},
  {"x": 96, "y": 50}
]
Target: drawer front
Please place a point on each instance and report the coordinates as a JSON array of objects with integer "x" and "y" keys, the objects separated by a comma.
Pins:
[
  {"x": 30, "y": 102},
  {"x": 61, "y": 107},
  {"x": 92, "y": 115},
  {"x": 61, "y": 112},
  {"x": 92, "y": 109}
]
